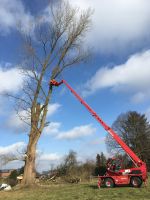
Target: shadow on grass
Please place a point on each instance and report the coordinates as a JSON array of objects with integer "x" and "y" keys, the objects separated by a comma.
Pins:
[{"x": 95, "y": 187}]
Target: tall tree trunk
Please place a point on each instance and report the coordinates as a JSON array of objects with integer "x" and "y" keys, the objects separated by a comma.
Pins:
[
  {"x": 29, "y": 170},
  {"x": 35, "y": 133}
]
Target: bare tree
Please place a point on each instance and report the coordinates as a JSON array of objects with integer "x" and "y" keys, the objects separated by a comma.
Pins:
[
  {"x": 5, "y": 159},
  {"x": 57, "y": 43},
  {"x": 17, "y": 155}
]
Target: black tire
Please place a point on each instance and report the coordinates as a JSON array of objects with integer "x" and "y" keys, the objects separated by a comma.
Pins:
[
  {"x": 109, "y": 183},
  {"x": 136, "y": 182}
]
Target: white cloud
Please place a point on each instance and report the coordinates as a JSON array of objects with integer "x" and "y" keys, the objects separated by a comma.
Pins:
[
  {"x": 77, "y": 132},
  {"x": 117, "y": 23},
  {"x": 98, "y": 141},
  {"x": 15, "y": 123},
  {"x": 15, "y": 164},
  {"x": 147, "y": 113},
  {"x": 43, "y": 160},
  {"x": 11, "y": 79},
  {"x": 12, "y": 13},
  {"x": 53, "y": 128},
  {"x": 14, "y": 148},
  {"x": 46, "y": 161},
  {"x": 53, "y": 108},
  {"x": 50, "y": 157},
  {"x": 140, "y": 97},
  {"x": 130, "y": 77}
]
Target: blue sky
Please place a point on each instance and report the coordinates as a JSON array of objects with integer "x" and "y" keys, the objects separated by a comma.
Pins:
[{"x": 115, "y": 80}]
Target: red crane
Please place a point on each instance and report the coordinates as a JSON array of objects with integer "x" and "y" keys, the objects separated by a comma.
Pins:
[{"x": 115, "y": 174}]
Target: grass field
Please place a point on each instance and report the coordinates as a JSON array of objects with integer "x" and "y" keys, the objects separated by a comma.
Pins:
[{"x": 86, "y": 191}]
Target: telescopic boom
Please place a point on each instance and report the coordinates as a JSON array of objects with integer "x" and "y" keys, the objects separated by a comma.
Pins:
[{"x": 137, "y": 161}]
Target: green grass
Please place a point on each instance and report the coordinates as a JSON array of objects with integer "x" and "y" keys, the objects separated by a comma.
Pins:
[{"x": 86, "y": 191}]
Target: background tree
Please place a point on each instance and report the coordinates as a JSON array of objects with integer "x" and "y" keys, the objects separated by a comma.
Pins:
[
  {"x": 87, "y": 169},
  {"x": 134, "y": 129},
  {"x": 71, "y": 168},
  {"x": 100, "y": 168},
  {"x": 71, "y": 160},
  {"x": 55, "y": 43},
  {"x": 69, "y": 165}
]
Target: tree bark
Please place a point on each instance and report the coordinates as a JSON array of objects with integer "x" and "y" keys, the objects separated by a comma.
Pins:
[
  {"x": 35, "y": 133},
  {"x": 29, "y": 170}
]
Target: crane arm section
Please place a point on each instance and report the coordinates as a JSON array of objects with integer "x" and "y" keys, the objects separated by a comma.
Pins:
[{"x": 131, "y": 154}]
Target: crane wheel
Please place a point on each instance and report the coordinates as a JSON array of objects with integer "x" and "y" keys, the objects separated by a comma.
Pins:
[
  {"x": 109, "y": 183},
  {"x": 136, "y": 181}
]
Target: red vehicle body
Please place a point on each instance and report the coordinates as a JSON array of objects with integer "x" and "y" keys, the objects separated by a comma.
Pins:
[{"x": 115, "y": 174}]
